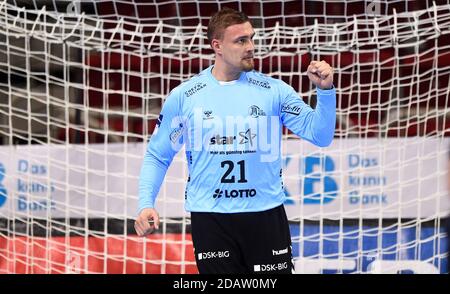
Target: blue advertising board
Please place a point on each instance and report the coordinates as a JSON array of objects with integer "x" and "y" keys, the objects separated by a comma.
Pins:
[{"x": 408, "y": 248}]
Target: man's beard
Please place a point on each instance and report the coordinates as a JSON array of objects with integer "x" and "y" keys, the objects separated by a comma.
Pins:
[{"x": 247, "y": 64}]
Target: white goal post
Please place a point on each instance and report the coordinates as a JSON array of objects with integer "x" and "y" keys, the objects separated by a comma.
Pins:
[{"x": 82, "y": 84}]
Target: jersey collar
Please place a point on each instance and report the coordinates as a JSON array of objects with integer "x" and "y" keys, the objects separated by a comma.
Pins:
[{"x": 212, "y": 78}]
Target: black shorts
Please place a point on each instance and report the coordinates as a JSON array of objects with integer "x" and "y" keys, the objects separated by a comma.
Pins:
[{"x": 250, "y": 242}]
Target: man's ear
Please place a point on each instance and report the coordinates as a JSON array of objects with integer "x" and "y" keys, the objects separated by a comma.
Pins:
[{"x": 217, "y": 46}]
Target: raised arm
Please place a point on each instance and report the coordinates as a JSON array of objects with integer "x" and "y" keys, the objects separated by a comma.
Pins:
[{"x": 314, "y": 125}]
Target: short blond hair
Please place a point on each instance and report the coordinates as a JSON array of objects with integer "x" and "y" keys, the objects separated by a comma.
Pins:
[{"x": 222, "y": 19}]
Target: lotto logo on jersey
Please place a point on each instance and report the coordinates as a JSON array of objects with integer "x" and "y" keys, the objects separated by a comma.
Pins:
[
  {"x": 213, "y": 254},
  {"x": 241, "y": 193}
]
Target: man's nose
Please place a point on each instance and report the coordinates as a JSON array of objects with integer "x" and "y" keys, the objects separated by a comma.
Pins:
[{"x": 251, "y": 46}]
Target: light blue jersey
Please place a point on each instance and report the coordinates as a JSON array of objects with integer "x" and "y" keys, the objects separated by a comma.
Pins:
[{"x": 232, "y": 134}]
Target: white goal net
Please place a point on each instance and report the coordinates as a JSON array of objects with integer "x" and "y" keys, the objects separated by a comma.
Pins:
[{"x": 82, "y": 84}]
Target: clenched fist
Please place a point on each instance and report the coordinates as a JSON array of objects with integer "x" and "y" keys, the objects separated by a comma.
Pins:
[
  {"x": 146, "y": 222},
  {"x": 320, "y": 74}
]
